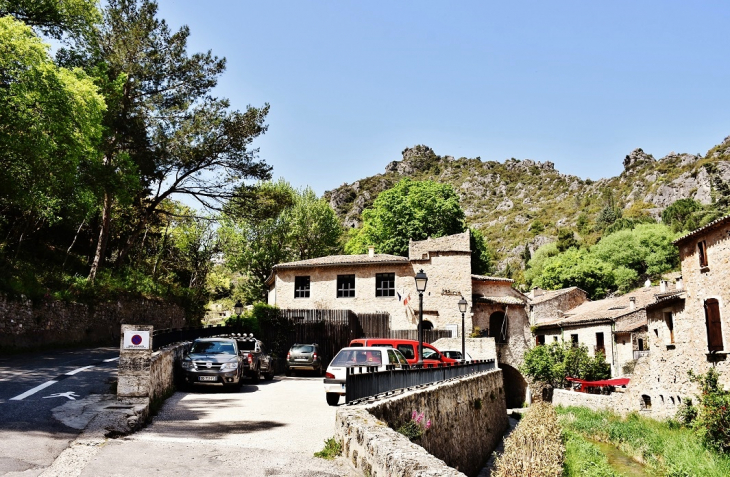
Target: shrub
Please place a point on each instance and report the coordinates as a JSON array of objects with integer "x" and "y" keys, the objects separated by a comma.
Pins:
[
  {"x": 535, "y": 447},
  {"x": 332, "y": 449},
  {"x": 713, "y": 413}
]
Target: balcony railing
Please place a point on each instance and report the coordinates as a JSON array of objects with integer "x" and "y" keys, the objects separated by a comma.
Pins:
[{"x": 640, "y": 354}]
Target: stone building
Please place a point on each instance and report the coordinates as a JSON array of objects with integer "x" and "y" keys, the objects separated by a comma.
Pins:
[
  {"x": 372, "y": 282},
  {"x": 548, "y": 305},
  {"x": 614, "y": 326},
  {"x": 689, "y": 326}
]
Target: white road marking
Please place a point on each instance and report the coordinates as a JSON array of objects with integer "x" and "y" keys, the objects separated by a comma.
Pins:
[
  {"x": 69, "y": 394},
  {"x": 112, "y": 359},
  {"x": 20, "y": 397},
  {"x": 71, "y": 373}
]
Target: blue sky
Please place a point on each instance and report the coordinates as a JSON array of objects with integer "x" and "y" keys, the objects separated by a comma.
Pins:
[{"x": 581, "y": 84}]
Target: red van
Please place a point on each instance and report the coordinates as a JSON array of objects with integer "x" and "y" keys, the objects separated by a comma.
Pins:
[{"x": 408, "y": 348}]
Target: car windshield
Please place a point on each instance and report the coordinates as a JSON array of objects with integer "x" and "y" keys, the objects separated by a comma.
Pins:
[
  {"x": 247, "y": 345},
  {"x": 354, "y": 357},
  {"x": 430, "y": 354},
  {"x": 452, "y": 354},
  {"x": 302, "y": 349},
  {"x": 213, "y": 347}
]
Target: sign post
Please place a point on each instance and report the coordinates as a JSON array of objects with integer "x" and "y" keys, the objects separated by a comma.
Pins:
[{"x": 135, "y": 358}]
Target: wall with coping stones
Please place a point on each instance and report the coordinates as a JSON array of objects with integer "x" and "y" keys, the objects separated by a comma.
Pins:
[
  {"x": 595, "y": 402},
  {"x": 162, "y": 368},
  {"x": 25, "y": 325},
  {"x": 469, "y": 417}
]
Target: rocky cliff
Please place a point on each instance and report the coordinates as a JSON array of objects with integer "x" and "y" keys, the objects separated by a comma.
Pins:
[{"x": 520, "y": 202}]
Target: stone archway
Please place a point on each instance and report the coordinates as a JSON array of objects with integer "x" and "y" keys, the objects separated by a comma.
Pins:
[
  {"x": 515, "y": 386},
  {"x": 427, "y": 325}
]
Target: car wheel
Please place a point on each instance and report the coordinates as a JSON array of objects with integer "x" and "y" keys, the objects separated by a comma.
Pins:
[
  {"x": 288, "y": 371},
  {"x": 333, "y": 399}
]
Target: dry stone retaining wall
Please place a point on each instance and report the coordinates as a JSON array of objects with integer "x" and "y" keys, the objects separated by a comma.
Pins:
[
  {"x": 24, "y": 324},
  {"x": 468, "y": 418}
]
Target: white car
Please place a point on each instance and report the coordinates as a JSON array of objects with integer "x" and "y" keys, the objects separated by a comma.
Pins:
[
  {"x": 360, "y": 358},
  {"x": 455, "y": 354}
]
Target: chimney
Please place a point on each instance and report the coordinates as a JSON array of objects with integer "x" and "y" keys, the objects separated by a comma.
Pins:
[
  {"x": 663, "y": 286},
  {"x": 371, "y": 251},
  {"x": 679, "y": 283},
  {"x": 536, "y": 292},
  {"x": 632, "y": 303}
]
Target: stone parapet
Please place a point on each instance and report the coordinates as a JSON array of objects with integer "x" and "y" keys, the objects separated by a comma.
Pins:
[{"x": 468, "y": 417}]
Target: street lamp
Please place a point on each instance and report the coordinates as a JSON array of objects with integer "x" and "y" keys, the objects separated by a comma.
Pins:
[
  {"x": 462, "y": 308},
  {"x": 238, "y": 308},
  {"x": 421, "y": 280}
]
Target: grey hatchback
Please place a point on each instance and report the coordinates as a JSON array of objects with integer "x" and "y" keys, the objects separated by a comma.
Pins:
[
  {"x": 305, "y": 357},
  {"x": 213, "y": 361}
]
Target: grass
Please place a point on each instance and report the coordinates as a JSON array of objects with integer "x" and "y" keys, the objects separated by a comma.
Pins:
[
  {"x": 332, "y": 449},
  {"x": 664, "y": 447},
  {"x": 583, "y": 459}
]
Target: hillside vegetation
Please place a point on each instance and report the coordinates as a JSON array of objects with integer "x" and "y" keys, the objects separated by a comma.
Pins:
[{"x": 520, "y": 205}]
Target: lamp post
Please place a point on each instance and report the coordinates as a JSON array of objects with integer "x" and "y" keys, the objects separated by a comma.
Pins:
[
  {"x": 238, "y": 308},
  {"x": 462, "y": 308},
  {"x": 421, "y": 280}
]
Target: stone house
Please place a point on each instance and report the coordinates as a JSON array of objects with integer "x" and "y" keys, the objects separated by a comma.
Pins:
[
  {"x": 689, "y": 326},
  {"x": 614, "y": 326},
  {"x": 548, "y": 305},
  {"x": 373, "y": 282}
]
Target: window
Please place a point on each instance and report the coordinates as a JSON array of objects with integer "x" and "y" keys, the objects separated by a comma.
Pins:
[
  {"x": 714, "y": 326},
  {"x": 345, "y": 286},
  {"x": 385, "y": 284},
  {"x": 641, "y": 344},
  {"x": 555, "y": 339},
  {"x": 599, "y": 343},
  {"x": 670, "y": 328},
  {"x": 301, "y": 287},
  {"x": 407, "y": 351},
  {"x": 574, "y": 340},
  {"x": 702, "y": 251},
  {"x": 540, "y": 340}
]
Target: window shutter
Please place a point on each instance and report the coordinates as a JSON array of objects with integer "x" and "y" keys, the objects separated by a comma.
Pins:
[
  {"x": 714, "y": 325},
  {"x": 702, "y": 249}
]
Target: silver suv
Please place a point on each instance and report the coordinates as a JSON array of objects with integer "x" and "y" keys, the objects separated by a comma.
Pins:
[{"x": 305, "y": 357}]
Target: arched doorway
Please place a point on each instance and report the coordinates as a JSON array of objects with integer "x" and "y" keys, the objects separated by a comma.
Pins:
[
  {"x": 427, "y": 325},
  {"x": 498, "y": 326},
  {"x": 515, "y": 386}
]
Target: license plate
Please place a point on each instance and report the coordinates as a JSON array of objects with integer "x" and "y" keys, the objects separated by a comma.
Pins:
[
  {"x": 208, "y": 378},
  {"x": 301, "y": 359}
]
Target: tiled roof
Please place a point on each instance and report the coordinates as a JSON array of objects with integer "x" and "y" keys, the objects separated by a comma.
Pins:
[
  {"x": 606, "y": 309},
  {"x": 711, "y": 225},
  {"x": 627, "y": 326},
  {"x": 550, "y": 294},
  {"x": 335, "y": 260},
  {"x": 502, "y": 300},
  {"x": 449, "y": 243},
  {"x": 484, "y": 278}
]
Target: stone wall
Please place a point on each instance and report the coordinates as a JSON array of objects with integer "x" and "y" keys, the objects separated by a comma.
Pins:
[
  {"x": 24, "y": 324},
  {"x": 468, "y": 418},
  {"x": 162, "y": 369},
  {"x": 596, "y": 402},
  {"x": 478, "y": 348}
]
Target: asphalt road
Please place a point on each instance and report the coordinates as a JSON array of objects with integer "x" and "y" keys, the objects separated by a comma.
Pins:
[
  {"x": 35, "y": 427},
  {"x": 268, "y": 429}
]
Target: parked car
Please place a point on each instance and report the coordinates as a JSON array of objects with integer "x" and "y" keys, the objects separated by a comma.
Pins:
[
  {"x": 359, "y": 357},
  {"x": 456, "y": 354},
  {"x": 431, "y": 356},
  {"x": 304, "y": 357},
  {"x": 256, "y": 361},
  {"x": 213, "y": 361}
]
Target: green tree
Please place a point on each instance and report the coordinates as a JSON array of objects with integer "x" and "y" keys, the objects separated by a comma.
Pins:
[
  {"x": 647, "y": 249},
  {"x": 681, "y": 215},
  {"x": 566, "y": 240},
  {"x": 481, "y": 256},
  {"x": 713, "y": 416},
  {"x": 54, "y": 17},
  {"x": 537, "y": 262},
  {"x": 163, "y": 123},
  {"x": 411, "y": 210},
  {"x": 50, "y": 127},
  {"x": 304, "y": 227},
  {"x": 551, "y": 364},
  {"x": 577, "y": 268}
]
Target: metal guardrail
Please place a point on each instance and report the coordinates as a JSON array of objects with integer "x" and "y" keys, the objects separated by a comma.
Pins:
[{"x": 362, "y": 382}]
